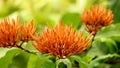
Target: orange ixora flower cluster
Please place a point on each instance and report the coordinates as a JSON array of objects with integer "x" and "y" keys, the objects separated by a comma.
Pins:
[
  {"x": 97, "y": 18},
  {"x": 61, "y": 41},
  {"x": 14, "y": 34}
]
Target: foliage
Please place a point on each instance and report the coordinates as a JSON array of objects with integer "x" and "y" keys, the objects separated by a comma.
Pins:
[{"x": 104, "y": 52}]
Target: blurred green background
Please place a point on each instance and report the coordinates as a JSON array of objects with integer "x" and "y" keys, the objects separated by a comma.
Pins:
[{"x": 104, "y": 53}]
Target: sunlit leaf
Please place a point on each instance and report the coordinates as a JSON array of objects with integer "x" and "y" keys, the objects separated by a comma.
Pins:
[
  {"x": 32, "y": 61},
  {"x": 7, "y": 59},
  {"x": 3, "y": 51}
]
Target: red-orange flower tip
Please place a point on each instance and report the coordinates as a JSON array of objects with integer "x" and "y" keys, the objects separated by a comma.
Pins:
[
  {"x": 96, "y": 18},
  {"x": 61, "y": 41}
]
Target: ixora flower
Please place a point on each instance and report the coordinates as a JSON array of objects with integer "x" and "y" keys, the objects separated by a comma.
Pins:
[
  {"x": 14, "y": 34},
  {"x": 97, "y": 18},
  {"x": 61, "y": 41},
  {"x": 27, "y": 31}
]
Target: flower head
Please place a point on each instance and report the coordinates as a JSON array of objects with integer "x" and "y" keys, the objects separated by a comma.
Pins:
[
  {"x": 96, "y": 18},
  {"x": 9, "y": 31},
  {"x": 61, "y": 41},
  {"x": 14, "y": 34}
]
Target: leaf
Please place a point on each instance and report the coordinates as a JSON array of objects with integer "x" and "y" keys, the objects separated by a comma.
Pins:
[
  {"x": 48, "y": 64},
  {"x": 103, "y": 59},
  {"x": 65, "y": 61},
  {"x": 3, "y": 51},
  {"x": 112, "y": 31},
  {"x": 36, "y": 61},
  {"x": 32, "y": 61},
  {"x": 72, "y": 19},
  {"x": 22, "y": 57},
  {"x": 118, "y": 45},
  {"x": 7, "y": 59},
  {"x": 82, "y": 64},
  {"x": 100, "y": 47},
  {"x": 117, "y": 65},
  {"x": 110, "y": 45},
  {"x": 115, "y": 5}
]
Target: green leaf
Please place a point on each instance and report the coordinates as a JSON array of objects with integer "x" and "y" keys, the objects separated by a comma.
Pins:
[
  {"x": 115, "y": 5},
  {"x": 32, "y": 61},
  {"x": 72, "y": 19},
  {"x": 7, "y": 59},
  {"x": 100, "y": 47},
  {"x": 22, "y": 57},
  {"x": 82, "y": 64},
  {"x": 104, "y": 59},
  {"x": 118, "y": 45},
  {"x": 36, "y": 61},
  {"x": 109, "y": 45},
  {"x": 88, "y": 57},
  {"x": 112, "y": 31},
  {"x": 117, "y": 65},
  {"x": 3, "y": 51},
  {"x": 48, "y": 64},
  {"x": 65, "y": 61}
]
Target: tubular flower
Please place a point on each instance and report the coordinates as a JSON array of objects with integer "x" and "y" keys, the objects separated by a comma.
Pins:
[
  {"x": 27, "y": 31},
  {"x": 13, "y": 34},
  {"x": 97, "y": 18},
  {"x": 9, "y": 31},
  {"x": 61, "y": 41}
]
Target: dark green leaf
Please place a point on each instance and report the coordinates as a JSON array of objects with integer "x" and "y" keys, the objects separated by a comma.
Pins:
[
  {"x": 65, "y": 61},
  {"x": 115, "y": 5},
  {"x": 82, "y": 64}
]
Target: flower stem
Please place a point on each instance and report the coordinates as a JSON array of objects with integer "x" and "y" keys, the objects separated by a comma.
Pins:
[{"x": 26, "y": 50}]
